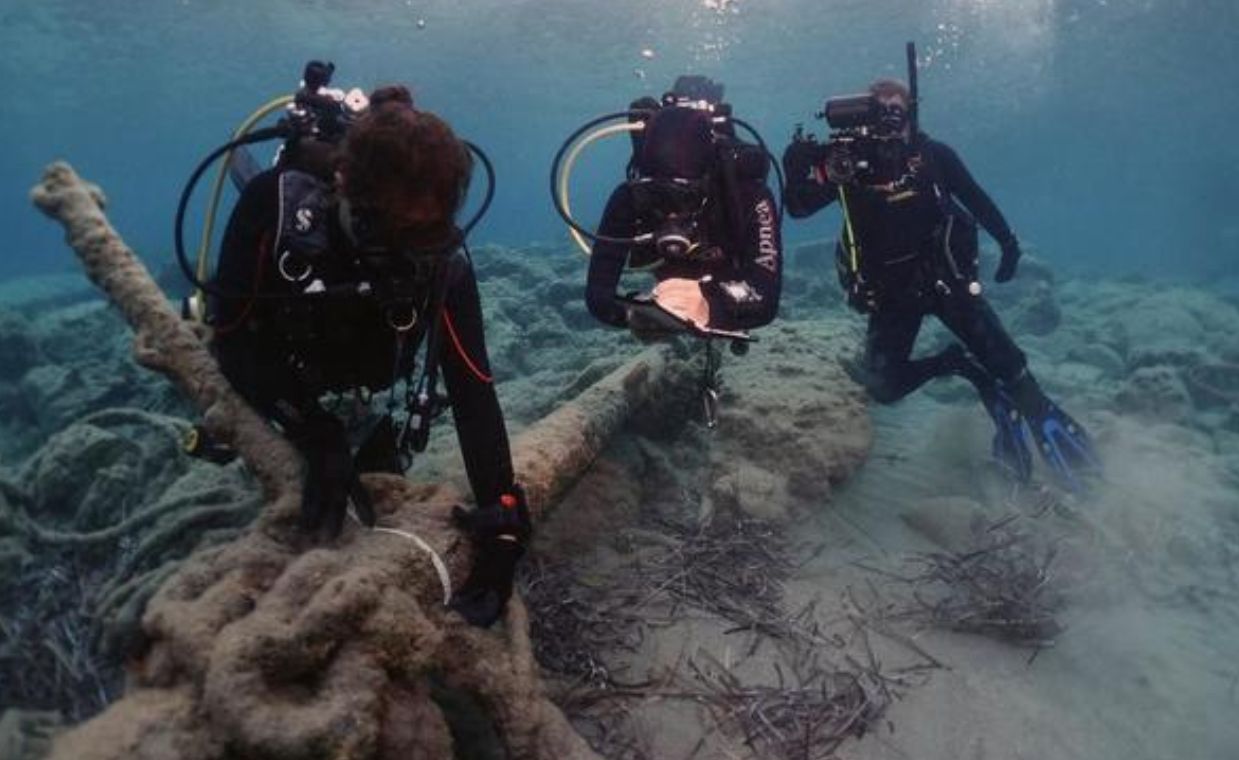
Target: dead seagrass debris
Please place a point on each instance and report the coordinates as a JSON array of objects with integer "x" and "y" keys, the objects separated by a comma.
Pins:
[{"x": 1002, "y": 584}]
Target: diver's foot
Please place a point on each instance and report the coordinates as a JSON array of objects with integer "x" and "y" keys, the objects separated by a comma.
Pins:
[
  {"x": 1010, "y": 446},
  {"x": 1066, "y": 449}
]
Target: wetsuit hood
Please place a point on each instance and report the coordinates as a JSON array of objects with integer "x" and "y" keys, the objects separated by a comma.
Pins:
[{"x": 679, "y": 143}]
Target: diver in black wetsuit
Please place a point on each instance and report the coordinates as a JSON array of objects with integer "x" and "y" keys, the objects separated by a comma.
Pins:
[
  {"x": 711, "y": 224},
  {"x": 373, "y": 266},
  {"x": 909, "y": 249}
]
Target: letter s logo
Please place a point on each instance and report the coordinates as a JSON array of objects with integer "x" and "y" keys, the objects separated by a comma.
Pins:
[{"x": 305, "y": 220}]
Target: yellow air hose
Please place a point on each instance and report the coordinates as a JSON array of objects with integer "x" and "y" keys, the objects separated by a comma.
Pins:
[
  {"x": 217, "y": 191},
  {"x": 566, "y": 173}
]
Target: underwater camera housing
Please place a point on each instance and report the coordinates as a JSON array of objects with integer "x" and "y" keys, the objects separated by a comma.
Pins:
[{"x": 862, "y": 129}]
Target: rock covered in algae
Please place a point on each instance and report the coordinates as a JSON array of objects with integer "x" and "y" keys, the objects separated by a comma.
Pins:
[
  {"x": 19, "y": 351},
  {"x": 63, "y": 363},
  {"x": 1157, "y": 393},
  {"x": 792, "y": 425}
]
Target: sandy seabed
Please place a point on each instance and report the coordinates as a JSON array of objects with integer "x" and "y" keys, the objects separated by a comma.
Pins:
[{"x": 1144, "y": 567}]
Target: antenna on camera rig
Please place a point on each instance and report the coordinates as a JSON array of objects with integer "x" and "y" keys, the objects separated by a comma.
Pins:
[{"x": 914, "y": 107}]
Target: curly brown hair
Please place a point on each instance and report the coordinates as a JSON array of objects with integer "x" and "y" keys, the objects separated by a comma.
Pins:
[{"x": 404, "y": 163}]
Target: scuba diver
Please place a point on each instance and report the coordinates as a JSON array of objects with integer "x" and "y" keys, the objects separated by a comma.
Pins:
[
  {"x": 335, "y": 267},
  {"x": 696, "y": 211},
  {"x": 909, "y": 249}
]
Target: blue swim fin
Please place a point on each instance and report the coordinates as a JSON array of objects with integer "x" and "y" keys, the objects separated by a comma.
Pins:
[
  {"x": 1010, "y": 445},
  {"x": 1065, "y": 446}
]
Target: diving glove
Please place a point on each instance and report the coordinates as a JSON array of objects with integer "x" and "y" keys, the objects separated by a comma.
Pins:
[
  {"x": 648, "y": 325},
  {"x": 1010, "y": 260},
  {"x": 801, "y": 160},
  {"x": 738, "y": 298},
  {"x": 499, "y": 532},
  {"x": 330, "y": 478}
]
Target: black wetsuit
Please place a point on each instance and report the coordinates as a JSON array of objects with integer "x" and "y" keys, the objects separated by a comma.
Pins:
[
  {"x": 749, "y": 251},
  {"x": 900, "y": 219},
  {"x": 283, "y": 354}
]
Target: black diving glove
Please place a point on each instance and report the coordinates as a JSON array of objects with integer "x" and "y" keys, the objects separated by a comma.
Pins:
[
  {"x": 647, "y": 329},
  {"x": 800, "y": 158},
  {"x": 330, "y": 477},
  {"x": 499, "y": 532},
  {"x": 736, "y": 297},
  {"x": 1010, "y": 259}
]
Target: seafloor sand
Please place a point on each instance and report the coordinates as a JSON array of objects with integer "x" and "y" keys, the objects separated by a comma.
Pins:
[
  {"x": 1146, "y": 667},
  {"x": 1147, "y": 563}
]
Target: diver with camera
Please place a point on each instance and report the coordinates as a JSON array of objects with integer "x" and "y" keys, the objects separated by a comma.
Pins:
[
  {"x": 344, "y": 284},
  {"x": 908, "y": 249}
]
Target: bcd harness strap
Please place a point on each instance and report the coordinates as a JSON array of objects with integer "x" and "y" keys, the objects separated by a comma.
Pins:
[{"x": 422, "y": 401}]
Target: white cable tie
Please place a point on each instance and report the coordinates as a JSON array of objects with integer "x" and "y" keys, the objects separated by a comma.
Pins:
[{"x": 440, "y": 566}]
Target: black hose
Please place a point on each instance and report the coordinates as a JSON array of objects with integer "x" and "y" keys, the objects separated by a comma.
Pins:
[
  {"x": 262, "y": 135},
  {"x": 490, "y": 189},
  {"x": 559, "y": 157},
  {"x": 257, "y": 136},
  {"x": 564, "y": 147},
  {"x": 774, "y": 162}
]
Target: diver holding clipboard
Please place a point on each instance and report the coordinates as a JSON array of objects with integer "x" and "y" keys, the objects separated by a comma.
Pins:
[{"x": 696, "y": 211}]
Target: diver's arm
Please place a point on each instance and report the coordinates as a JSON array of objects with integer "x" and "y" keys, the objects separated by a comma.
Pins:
[
  {"x": 475, "y": 406},
  {"x": 748, "y": 297},
  {"x": 808, "y": 190},
  {"x": 959, "y": 182},
  {"x": 500, "y": 526},
  {"x": 606, "y": 262}
]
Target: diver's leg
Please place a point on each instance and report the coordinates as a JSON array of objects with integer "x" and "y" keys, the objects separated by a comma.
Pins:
[
  {"x": 979, "y": 329},
  {"x": 978, "y": 326},
  {"x": 1064, "y": 444},
  {"x": 885, "y": 371}
]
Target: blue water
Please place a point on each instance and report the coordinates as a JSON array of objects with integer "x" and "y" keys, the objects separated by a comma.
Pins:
[{"x": 1104, "y": 128}]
